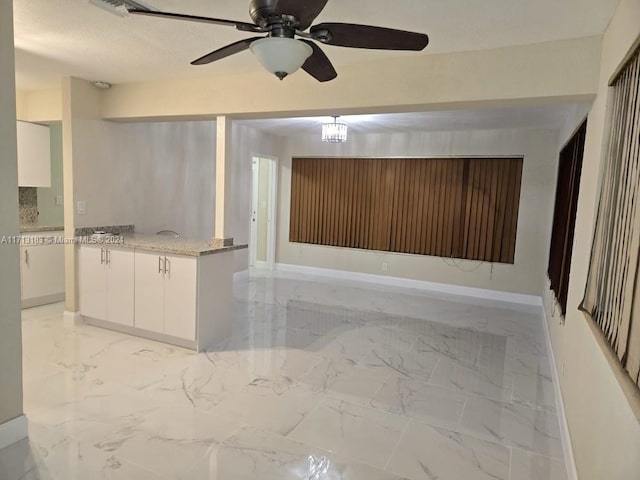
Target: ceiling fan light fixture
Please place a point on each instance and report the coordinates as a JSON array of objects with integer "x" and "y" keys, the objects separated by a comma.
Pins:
[
  {"x": 281, "y": 56},
  {"x": 334, "y": 132}
]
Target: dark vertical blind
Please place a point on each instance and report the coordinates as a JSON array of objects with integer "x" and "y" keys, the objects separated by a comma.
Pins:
[
  {"x": 461, "y": 208},
  {"x": 564, "y": 216}
]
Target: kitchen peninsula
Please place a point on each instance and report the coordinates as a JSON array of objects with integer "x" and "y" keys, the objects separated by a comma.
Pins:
[{"x": 173, "y": 290}]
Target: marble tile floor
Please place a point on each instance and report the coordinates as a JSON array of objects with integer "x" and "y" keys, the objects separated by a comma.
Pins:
[{"x": 321, "y": 379}]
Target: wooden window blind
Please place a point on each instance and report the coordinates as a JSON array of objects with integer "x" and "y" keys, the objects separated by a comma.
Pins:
[
  {"x": 564, "y": 216},
  {"x": 612, "y": 282},
  {"x": 461, "y": 208}
]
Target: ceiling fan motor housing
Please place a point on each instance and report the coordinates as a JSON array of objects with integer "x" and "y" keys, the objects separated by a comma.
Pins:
[{"x": 262, "y": 12}]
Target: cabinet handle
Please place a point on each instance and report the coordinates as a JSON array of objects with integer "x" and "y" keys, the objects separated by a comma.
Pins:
[
  {"x": 26, "y": 256},
  {"x": 160, "y": 269},
  {"x": 167, "y": 266},
  {"x": 108, "y": 256},
  {"x": 102, "y": 256}
]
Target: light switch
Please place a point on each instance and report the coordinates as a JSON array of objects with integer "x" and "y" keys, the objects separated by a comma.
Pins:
[
  {"x": 81, "y": 207},
  {"x": 59, "y": 200}
]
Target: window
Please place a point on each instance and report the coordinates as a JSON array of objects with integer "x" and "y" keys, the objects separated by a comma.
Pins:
[
  {"x": 611, "y": 293},
  {"x": 461, "y": 208},
  {"x": 564, "y": 216}
]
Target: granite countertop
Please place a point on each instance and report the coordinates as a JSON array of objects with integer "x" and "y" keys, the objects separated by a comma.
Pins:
[
  {"x": 168, "y": 245},
  {"x": 34, "y": 228}
]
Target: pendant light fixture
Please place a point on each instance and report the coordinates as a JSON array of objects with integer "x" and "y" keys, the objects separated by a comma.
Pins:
[{"x": 334, "y": 132}]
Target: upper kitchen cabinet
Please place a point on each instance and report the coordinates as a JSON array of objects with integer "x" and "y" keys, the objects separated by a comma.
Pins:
[{"x": 34, "y": 155}]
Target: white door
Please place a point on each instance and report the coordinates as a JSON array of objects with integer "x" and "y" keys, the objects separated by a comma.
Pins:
[
  {"x": 149, "y": 292},
  {"x": 180, "y": 297},
  {"x": 253, "y": 241},
  {"x": 120, "y": 286},
  {"x": 93, "y": 282}
]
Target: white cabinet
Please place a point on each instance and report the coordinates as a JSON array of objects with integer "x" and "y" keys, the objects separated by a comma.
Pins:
[
  {"x": 166, "y": 294},
  {"x": 149, "y": 285},
  {"x": 107, "y": 284},
  {"x": 181, "y": 300},
  {"x": 42, "y": 274},
  {"x": 34, "y": 155}
]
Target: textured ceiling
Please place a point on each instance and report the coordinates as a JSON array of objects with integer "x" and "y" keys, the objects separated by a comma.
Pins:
[
  {"x": 56, "y": 38},
  {"x": 487, "y": 119}
]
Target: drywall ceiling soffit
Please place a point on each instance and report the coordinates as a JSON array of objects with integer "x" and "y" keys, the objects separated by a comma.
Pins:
[
  {"x": 57, "y": 38},
  {"x": 549, "y": 116}
]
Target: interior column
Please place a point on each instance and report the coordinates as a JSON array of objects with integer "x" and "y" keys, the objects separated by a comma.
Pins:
[{"x": 224, "y": 153}]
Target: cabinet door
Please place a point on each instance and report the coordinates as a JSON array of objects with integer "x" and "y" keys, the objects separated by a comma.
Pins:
[
  {"x": 149, "y": 292},
  {"x": 93, "y": 283},
  {"x": 180, "y": 297},
  {"x": 42, "y": 271},
  {"x": 34, "y": 155},
  {"x": 120, "y": 285}
]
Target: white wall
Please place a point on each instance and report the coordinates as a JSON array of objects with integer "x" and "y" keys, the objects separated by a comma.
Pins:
[
  {"x": 166, "y": 175},
  {"x": 539, "y": 149},
  {"x": 10, "y": 327},
  {"x": 524, "y": 74},
  {"x": 247, "y": 143},
  {"x": 154, "y": 175},
  {"x": 605, "y": 430}
]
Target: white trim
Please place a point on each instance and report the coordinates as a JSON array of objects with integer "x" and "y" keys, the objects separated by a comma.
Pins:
[
  {"x": 13, "y": 431},
  {"x": 272, "y": 215},
  {"x": 508, "y": 297},
  {"x": 72, "y": 318},
  {"x": 253, "y": 227},
  {"x": 565, "y": 434},
  {"x": 46, "y": 300}
]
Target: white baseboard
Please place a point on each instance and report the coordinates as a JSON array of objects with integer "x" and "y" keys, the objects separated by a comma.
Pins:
[
  {"x": 507, "y": 297},
  {"x": 13, "y": 431},
  {"x": 46, "y": 300},
  {"x": 72, "y": 318},
  {"x": 565, "y": 434}
]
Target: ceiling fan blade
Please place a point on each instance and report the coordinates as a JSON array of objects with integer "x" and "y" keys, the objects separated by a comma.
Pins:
[
  {"x": 366, "y": 36},
  {"x": 227, "y": 51},
  {"x": 245, "y": 27},
  {"x": 305, "y": 11},
  {"x": 318, "y": 64}
]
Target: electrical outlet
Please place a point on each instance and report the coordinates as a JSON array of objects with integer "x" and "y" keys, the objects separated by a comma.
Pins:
[
  {"x": 81, "y": 207},
  {"x": 385, "y": 267}
]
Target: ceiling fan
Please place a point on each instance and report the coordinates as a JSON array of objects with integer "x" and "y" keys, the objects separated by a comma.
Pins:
[{"x": 282, "y": 20}]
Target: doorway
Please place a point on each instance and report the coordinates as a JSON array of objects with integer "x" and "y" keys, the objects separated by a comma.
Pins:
[{"x": 262, "y": 249}]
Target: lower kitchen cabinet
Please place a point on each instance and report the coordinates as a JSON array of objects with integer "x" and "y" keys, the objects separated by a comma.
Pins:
[
  {"x": 178, "y": 299},
  {"x": 106, "y": 284},
  {"x": 42, "y": 274},
  {"x": 166, "y": 294}
]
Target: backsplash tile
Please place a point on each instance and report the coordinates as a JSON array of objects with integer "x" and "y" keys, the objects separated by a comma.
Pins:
[{"x": 28, "y": 200}]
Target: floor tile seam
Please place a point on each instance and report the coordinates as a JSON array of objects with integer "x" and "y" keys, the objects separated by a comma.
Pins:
[
  {"x": 146, "y": 469},
  {"x": 396, "y": 446},
  {"x": 510, "y": 477},
  {"x": 468, "y": 394},
  {"x": 290, "y": 434},
  {"x": 503, "y": 442}
]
